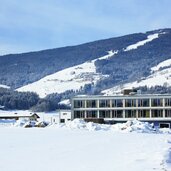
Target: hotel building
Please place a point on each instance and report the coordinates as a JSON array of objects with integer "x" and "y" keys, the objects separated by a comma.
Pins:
[{"x": 113, "y": 109}]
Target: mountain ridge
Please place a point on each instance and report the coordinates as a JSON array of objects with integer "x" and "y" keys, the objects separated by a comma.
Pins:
[{"x": 19, "y": 70}]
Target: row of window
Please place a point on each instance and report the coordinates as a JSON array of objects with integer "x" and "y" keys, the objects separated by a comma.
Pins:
[
  {"x": 119, "y": 113},
  {"x": 119, "y": 103}
]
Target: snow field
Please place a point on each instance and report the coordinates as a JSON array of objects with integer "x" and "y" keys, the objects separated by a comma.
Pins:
[
  {"x": 78, "y": 145},
  {"x": 74, "y": 150}
]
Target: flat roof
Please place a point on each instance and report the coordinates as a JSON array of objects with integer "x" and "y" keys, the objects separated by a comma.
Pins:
[
  {"x": 120, "y": 96},
  {"x": 17, "y": 115}
]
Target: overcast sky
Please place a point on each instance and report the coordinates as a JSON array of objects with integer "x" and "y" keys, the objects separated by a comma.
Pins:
[{"x": 29, "y": 25}]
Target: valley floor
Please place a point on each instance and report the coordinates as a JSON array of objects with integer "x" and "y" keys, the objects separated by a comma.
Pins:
[{"x": 63, "y": 149}]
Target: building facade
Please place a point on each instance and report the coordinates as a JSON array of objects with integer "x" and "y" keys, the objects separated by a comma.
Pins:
[
  {"x": 62, "y": 116},
  {"x": 151, "y": 108}
]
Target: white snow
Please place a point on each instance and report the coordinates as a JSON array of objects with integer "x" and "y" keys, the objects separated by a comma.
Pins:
[
  {"x": 86, "y": 147},
  {"x": 4, "y": 86},
  {"x": 166, "y": 63},
  {"x": 129, "y": 126},
  {"x": 65, "y": 102},
  {"x": 159, "y": 76},
  {"x": 72, "y": 78},
  {"x": 143, "y": 42}
]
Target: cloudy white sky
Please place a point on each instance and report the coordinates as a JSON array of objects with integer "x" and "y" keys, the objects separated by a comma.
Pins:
[{"x": 29, "y": 25}]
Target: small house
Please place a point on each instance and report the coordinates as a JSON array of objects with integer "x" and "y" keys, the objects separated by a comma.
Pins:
[
  {"x": 16, "y": 116},
  {"x": 62, "y": 116}
]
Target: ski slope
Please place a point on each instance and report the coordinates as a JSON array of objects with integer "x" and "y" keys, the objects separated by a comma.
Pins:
[
  {"x": 143, "y": 42},
  {"x": 72, "y": 78}
]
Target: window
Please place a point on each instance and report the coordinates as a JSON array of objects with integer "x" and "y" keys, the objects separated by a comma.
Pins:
[
  {"x": 167, "y": 102},
  {"x": 130, "y": 113},
  {"x": 117, "y": 114},
  {"x": 62, "y": 120},
  {"x": 104, "y": 103},
  {"x": 143, "y": 113},
  {"x": 130, "y": 103},
  {"x": 143, "y": 103},
  {"x": 104, "y": 113},
  {"x": 156, "y": 113},
  {"x": 91, "y": 103},
  {"x": 168, "y": 113},
  {"x": 79, "y": 103},
  {"x": 164, "y": 125},
  {"x": 156, "y": 102},
  {"x": 92, "y": 114},
  {"x": 79, "y": 114},
  {"x": 117, "y": 103}
]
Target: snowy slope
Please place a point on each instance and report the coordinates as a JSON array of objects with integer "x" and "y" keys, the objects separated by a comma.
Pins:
[
  {"x": 72, "y": 78},
  {"x": 160, "y": 75},
  {"x": 75, "y": 77}
]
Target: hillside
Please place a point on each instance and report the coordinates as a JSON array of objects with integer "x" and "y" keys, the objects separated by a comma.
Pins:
[
  {"x": 160, "y": 76},
  {"x": 88, "y": 66},
  {"x": 17, "y": 70},
  {"x": 72, "y": 78}
]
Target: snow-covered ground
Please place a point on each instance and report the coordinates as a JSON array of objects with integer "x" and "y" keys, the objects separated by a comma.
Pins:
[
  {"x": 72, "y": 78},
  {"x": 160, "y": 75},
  {"x": 74, "y": 147}
]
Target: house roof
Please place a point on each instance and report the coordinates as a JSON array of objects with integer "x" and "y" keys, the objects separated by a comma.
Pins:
[{"x": 13, "y": 115}]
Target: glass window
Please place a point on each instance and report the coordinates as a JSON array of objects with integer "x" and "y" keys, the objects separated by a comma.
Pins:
[
  {"x": 104, "y": 103},
  {"x": 168, "y": 113},
  {"x": 130, "y": 103},
  {"x": 62, "y": 120},
  {"x": 79, "y": 103},
  {"x": 117, "y": 113},
  {"x": 104, "y": 113},
  {"x": 130, "y": 113},
  {"x": 143, "y": 113},
  {"x": 92, "y": 114},
  {"x": 79, "y": 114},
  {"x": 167, "y": 102},
  {"x": 91, "y": 103},
  {"x": 117, "y": 103},
  {"x": 156, "y": 113},
  {"x": 156, "y": 102},
  {"x": 143, "y": 103}
]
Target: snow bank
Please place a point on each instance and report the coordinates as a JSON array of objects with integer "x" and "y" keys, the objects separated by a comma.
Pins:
[
  {"x": 26, "y": 123},
  {"x": 129, "y": 126},
  {"x": 81, "y": 124},
  {"x": 135, "y": 126},
  {"x": 7, "y": 122}
]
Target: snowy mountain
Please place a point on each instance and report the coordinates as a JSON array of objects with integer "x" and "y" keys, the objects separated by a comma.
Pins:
[
  {"x": 106, "y": 65},
  {"x": 160, "y": 76},
  {"x": 72, "y": 78}
]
